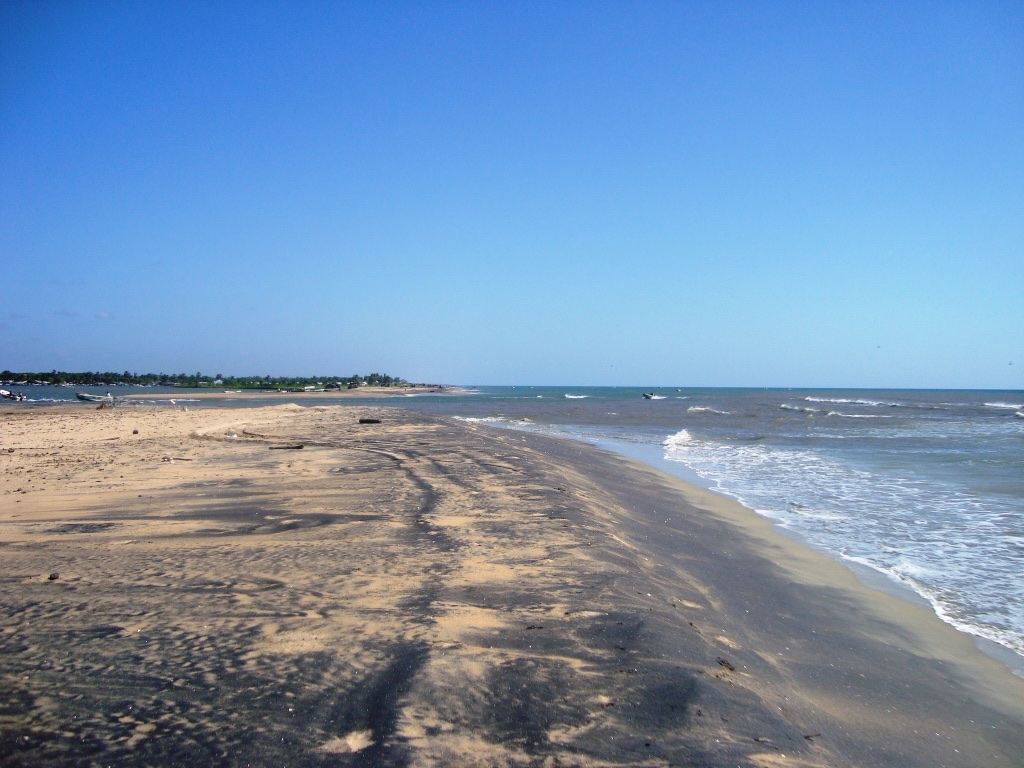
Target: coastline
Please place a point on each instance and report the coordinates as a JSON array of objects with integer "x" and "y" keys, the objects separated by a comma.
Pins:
[
  {"x": 334, "y": 394},
  {"x": 501, "y": 597},
  {"x": 867, "y": 576}
]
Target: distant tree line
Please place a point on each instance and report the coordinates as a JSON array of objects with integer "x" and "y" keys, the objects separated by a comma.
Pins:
[{"x": 110, "y": 379}]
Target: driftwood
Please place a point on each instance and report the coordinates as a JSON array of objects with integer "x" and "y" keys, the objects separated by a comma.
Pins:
[
  {"x": 295, "y": 447},
  {"x": 369, "y": 421}
]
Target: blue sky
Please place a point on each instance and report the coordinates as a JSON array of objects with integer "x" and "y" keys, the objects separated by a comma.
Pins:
[{"x": 733, "y": 194}]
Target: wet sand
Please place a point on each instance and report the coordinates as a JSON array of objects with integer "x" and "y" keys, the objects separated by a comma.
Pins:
[{"x": 423, "y": 591}]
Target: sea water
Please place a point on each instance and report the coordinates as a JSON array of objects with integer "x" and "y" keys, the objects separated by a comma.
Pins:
[{"x": 925, "y": 487}]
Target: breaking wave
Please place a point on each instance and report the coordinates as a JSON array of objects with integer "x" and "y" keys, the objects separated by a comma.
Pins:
[
  {"x": 924, "y": 534},
  {"x": 848, "y": 401},
  {"x": 858, "y": 415},
  {"x": 679, "y": 439},
  {"x": 492, "y": 420}
]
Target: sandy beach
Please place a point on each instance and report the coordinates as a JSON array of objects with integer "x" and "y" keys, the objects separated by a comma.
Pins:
[{"x": 195, "y": 588}]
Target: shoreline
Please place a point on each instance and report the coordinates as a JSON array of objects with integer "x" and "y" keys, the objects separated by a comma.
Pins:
[
  {"x": 869, "y": 577},
  {"x": 807, "y": 563},
  {"x": 361, "y": 392},
  {"x": 501, "y": 597}
]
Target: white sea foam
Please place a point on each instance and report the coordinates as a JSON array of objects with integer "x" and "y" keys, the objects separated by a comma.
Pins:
[
  {"x": 808, "y": 514},
  {"x": 705, "y": 409},
  {"x": 656, "y": 397},
  {"x": 787, "y": 407},
  {"x": 576, "y": 397},
  {"x": 1019, "y": 414},
  {"x": 491, "y": 420},
  {"x": 858, "y": 415},
  {"x": 847, "y": 401},
  {"x": 1011, "y": 406},
  {"x": 677, "y": 440},
  {"x": 907, "y": 574},
  {"x": 920, "y": 532}
]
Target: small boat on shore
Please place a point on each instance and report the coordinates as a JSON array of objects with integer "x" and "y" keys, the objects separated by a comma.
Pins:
[{"x": 107, "y": 398}]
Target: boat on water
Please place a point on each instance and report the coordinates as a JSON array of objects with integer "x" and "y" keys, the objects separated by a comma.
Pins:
[
  {"x": 107, "y": 398},
  {"x": 16, "y": 396}
]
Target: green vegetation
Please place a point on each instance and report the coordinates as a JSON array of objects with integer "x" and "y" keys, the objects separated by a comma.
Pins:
[{"x": 110, "y": 379}]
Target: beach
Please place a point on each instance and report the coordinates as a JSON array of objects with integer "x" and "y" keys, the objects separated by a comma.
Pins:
[{"x": 193, "y": 587}]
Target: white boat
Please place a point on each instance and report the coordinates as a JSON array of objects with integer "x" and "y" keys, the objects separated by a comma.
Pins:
[{"x": 107, "y": 398}]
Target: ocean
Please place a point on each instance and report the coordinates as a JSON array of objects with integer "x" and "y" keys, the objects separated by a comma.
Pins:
[{"x": 924, "y": 487}]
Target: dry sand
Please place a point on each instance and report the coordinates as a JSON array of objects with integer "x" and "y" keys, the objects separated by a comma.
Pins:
[{"x": 427, "y": 592}]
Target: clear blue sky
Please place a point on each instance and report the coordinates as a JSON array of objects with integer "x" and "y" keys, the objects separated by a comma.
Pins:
[{"x": 751, "y": 194}]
